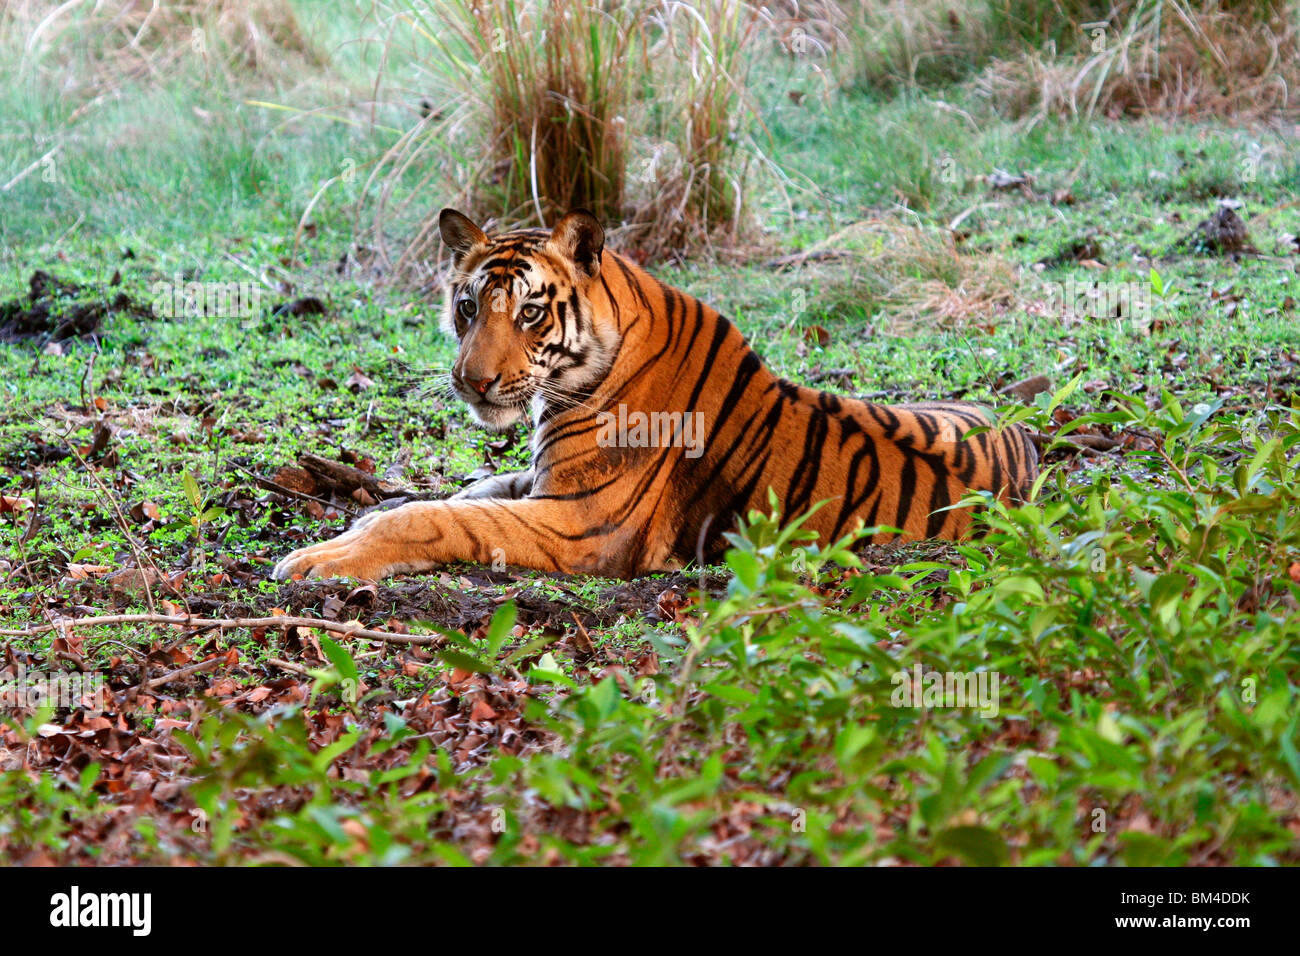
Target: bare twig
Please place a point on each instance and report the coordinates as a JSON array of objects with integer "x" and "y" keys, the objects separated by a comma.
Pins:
[
  {"x": 142, "y": 557},
  {"x": 289, "y": 666},
  {"x": 348, "y": 628},
  {"x": 34, "y": 522},
  {"x": 210, "y": 664},
  {"x": 270, "y": 485},
  {"x": 88, "y": 385},
  {"x": 345, "y": 477},
  {"x": 1074, "y": 443},
  {"x": 28, "y": 170}
]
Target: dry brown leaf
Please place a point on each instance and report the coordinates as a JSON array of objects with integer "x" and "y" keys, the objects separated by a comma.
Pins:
[{"x": 83, "y": 572}]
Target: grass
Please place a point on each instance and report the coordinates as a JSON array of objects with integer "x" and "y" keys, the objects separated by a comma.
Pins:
[
  {"x": 1039, "y": 57},
  {"x": 638, "y": 112},
  {"x": 1140, "y": 616}
]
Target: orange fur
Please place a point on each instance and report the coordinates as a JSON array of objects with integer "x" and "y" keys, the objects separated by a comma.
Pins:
[{"x": 584, "y": 337}]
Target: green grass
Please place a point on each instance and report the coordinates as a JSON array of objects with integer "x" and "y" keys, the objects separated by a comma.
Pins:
[{"x": 1141, "y": 616}]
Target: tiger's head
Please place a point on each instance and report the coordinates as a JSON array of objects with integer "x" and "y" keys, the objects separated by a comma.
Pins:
[{"x": 521, "y": 305}]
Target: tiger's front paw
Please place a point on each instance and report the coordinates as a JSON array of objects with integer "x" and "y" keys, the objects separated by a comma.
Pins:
[{"x": 347, "y": 556}]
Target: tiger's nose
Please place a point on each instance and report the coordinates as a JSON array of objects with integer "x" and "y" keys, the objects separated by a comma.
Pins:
[{"x": 481, "y": 385}]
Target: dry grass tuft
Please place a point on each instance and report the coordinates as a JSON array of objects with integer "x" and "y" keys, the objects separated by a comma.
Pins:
[
  {"x": 1185, "y": 58},
  {"x": 1166, "y": 58},
  {"x": 639, "y": 111},
  {"x": 911, "y": 274},
  {"x": 549, "y": 86},
  {"x": 694, "y": 157},
  {"x": 98, "y": 46},
  {"x": 910, "y": 42}
]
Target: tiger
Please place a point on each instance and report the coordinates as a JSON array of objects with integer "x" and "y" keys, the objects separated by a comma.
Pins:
[{"x": 656, "y": 427}]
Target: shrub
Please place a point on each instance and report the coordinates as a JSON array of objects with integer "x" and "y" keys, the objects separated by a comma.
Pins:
[{"x": 637, "y": 111}]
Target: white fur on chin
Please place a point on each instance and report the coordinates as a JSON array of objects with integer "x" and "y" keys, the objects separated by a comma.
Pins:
[{"x": 496, "y": 417}]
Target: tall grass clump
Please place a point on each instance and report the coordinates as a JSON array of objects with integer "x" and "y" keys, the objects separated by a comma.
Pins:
[
  {"x": 552, "y": 84},
  {"x": 902, "y": 275},
  {"x": 1082, "y": 57},
  {"x": 1160, "y": 57},
  {"x": 1043, "y": 23},
  {"x": 695, "y": 156},
  {"x": 638, "y": 111},
  {"x": 888, "y": 44}
]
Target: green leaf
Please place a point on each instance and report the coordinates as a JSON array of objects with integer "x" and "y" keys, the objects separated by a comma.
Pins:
[
  {"x": 1157, "y": 284},
  {"x": 1044, "y": 769},
  {"x": 465, "y": 662},
  {"x": 531, "y": 647},
  {"x": 733, "y": 695},
  {"x": 979, "y": 845},
  {"x": 340, "y": 658},
  {"x": 192, "y": 492},
  {"x": 607, "y": 697},
  {"x": 503, "y": 622},
  {"x": 327, "y": 755},
  {"x": 1144, "y": 849}
]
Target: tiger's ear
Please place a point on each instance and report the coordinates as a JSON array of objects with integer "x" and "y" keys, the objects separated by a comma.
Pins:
[
  {"x": 579, "y": 238},
  {"x": 460, "y": 234}
]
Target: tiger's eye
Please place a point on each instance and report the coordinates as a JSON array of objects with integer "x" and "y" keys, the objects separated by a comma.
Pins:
[
  {"x": 467, "y": 308},
  {"x": 531, "y": 313}
]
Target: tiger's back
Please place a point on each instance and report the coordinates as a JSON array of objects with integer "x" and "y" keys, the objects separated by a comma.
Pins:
[{"x": 894, "y": 466}]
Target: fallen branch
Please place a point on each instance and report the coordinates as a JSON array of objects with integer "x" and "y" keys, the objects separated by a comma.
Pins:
[
  {"x": 345, "y": 478},
  {"x": 1027, "y": 388},
  {"x": 33, "y": 523},
  {"x": 28, "y": 170},
  {"x": 348, "y": 629},
  {"x": 188, "y": 671},
  {"x": 1075, "y": 443},
  {"x": 270, "y": 485},
  {"x": 289, "y": 666}
]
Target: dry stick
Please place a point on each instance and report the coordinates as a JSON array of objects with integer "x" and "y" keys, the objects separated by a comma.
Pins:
[
  {"x": 32, "y": 524},
  {"x": 289, "y": 666},
  {"x": 344, "y": 476},
  {"x": 348, "y": 629},
  {"x": 198, "y": 668},
  {"x": 126, "y": 647},
  {"x": 34, "y": 521},
  {"x": 1073, "y": 442},
  {"x": 88, "y": 384},
  {"x": 23, "y": 174},
  {"x": 958, "y": 220},
  {"x": 140, "y": 556},
  {"x": 270, "y": 485},
  {"x": 250, "y": 270}
]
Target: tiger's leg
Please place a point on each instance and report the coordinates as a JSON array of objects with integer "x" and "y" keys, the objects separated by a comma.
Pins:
[
  {"x": 515, "y": 484},
  {"x": 541, "y": 533}
]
